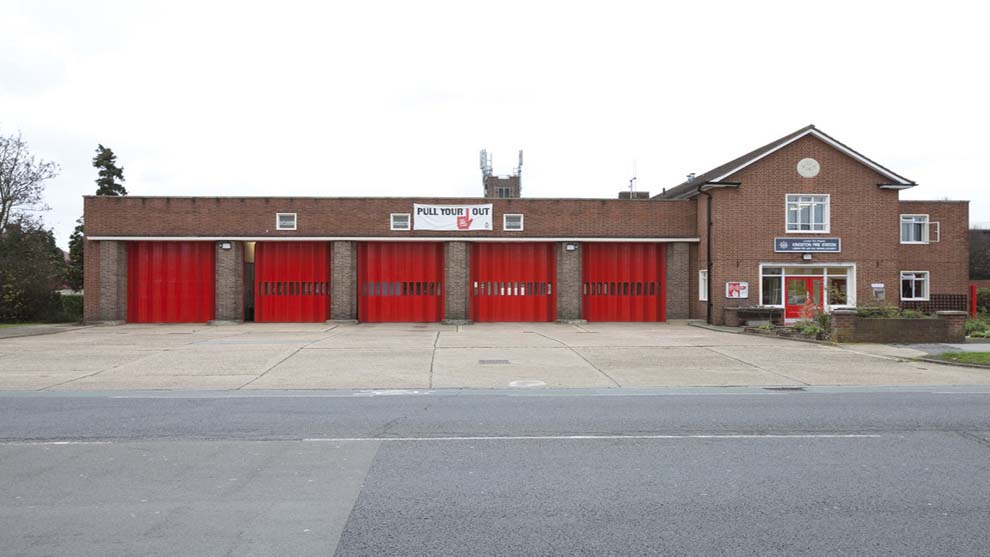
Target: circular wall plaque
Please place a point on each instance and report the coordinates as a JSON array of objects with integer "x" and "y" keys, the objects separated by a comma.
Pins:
[{"x": 809, "y": 168}]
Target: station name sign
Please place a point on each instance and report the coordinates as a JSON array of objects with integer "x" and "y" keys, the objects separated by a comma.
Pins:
[
  {"x": 452, "y": 217},
  {"x": 807, "y": 245}
]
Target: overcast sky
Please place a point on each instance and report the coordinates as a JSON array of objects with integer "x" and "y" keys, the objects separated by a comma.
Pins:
[{"x": 397, "y": 98}]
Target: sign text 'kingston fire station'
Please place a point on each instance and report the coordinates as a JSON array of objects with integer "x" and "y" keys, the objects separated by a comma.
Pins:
[
  {"x": 807, "y": 245},
  {"x": 452, "y": 217}
]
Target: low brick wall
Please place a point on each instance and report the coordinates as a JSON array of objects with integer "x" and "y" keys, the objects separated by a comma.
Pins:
[{"x": 948, "y": 326}]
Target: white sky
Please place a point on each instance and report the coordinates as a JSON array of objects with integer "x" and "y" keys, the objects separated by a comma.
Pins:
[{"x": 397, "y": 98}]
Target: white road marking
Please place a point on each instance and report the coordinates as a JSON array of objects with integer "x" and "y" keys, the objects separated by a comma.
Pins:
[
  {"x": 56, "y": 443},
  {"x": 599, "y": 437}
]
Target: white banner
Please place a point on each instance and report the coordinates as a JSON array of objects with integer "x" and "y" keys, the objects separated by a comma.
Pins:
[{"x": 452, "y": 217}]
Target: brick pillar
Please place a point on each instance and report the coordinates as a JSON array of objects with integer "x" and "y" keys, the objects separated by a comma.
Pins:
[
  {"x": 457, "y": 268},
  {"x": 110, "y": 278},
  {"x": 230, "y": 282},
  {"x": 677, "y": 276},
  {"x": 343, "y": 281},
  {"x": 956, "y": 324},
  {"x": 569, "y": 282},
  {"x": 844, "y": 325}
]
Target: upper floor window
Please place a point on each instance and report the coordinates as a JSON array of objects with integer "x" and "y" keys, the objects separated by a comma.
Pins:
[
  {"x": 503, "y": 192},
  {"x": 914, "y": 229},
  {"x": 399, "y": 221},
  {"x": 807, "y": 213},
  {"x": 285, "y": 221},
  {"x": 512, "y": 222}
]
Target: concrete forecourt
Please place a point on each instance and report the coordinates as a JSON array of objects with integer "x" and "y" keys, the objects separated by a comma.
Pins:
[{"x": 255, "y": 356}]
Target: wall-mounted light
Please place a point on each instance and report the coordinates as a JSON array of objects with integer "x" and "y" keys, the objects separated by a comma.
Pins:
[
  {"x": 570, "y": 247},
  {"x": 225, "y": 245},
  {"x": 806, "y": 256}
]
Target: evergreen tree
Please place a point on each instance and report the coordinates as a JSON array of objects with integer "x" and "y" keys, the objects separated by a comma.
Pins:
[
  {"x": 111, "y": 176},
  {"x": 74, "y": 270}
]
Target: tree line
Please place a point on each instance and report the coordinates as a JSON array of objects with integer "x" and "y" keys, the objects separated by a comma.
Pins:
[{"x": 32, "y": 267}]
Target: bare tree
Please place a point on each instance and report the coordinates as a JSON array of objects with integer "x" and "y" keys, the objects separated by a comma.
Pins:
[{"x": 22, "y": 179}]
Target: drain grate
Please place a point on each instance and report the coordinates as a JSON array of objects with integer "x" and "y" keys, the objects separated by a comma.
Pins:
[
  {"x": 783, "y": 388},
  {"x": 493, "y": 362}
]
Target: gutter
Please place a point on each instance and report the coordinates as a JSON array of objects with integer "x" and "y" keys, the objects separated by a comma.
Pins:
[{"x": 704, "y": 190}]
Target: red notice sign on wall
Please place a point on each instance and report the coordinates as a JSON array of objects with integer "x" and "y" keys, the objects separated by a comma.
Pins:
[{"x": 737, "y": 290}]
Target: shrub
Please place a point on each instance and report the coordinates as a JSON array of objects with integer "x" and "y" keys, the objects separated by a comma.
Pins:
[
  {"x": 809, "y": 327},
  {"x": 983, "y": 300},
  {"x": 825, "y": 321},
  {"x": 72, "y": 307},
  {"x": 977, "y": 326},
  {"x": 890, "y": 312}
]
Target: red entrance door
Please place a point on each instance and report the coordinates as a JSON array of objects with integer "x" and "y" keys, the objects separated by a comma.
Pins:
[
  {"x": 801, "y": 292},
  {"x": 513, "y": 282},
  {"x": 292, "y": 282},
  {"x": 622, "y": 282},
  {"x": 400, "y": 282}
]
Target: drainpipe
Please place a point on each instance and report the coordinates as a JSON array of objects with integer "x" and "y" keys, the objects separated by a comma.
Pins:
[{"x": 704, "y": 189}]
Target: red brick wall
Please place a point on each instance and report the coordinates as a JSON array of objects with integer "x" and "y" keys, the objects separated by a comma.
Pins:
[
  {"x": 224, "y": 216},
  {"x": 865, "y": 217},
  {"x": 947, "y": 260}
]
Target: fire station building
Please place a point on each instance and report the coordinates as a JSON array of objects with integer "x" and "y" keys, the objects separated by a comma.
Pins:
[{"x": 802, "y": 220}]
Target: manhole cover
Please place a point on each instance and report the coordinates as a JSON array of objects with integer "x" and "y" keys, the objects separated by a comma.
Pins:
[
  {"x": 493, "y": 362},
  {"x": 527, "y": 383}
]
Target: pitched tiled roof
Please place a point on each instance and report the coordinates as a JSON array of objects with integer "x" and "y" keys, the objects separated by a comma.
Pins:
[{"x": 690, "y": 187}]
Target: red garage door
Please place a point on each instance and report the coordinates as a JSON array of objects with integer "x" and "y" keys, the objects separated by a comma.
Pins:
[
  {"x": 170, "y": 282},
  {"x": 623, "y": 282},
  {"x": 292, "y": 282},
  {"x": 513, "y": 282},
  {"x": 400, "y": 282}
]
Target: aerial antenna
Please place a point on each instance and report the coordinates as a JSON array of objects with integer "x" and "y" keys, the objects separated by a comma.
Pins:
[
  {"x": 632, "y": 181},
  {"x": 519, "y": 168},
  {"x": 486, "y": 163}
]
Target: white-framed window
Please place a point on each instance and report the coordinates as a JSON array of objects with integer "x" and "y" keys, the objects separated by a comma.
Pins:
[
  {"x": 399, "y": 221},
  {"x": 512, "y": 222},
  {"x": 703, "y": 285},
  {"x": 838, "y": 282},
  {"x": 914, "y": 229},
  {"x": 914, "y": 285},
  {"x": 808, "y": 213},
  {"x": 285, "y": 221},
  {"x": 503, "y": 192}
]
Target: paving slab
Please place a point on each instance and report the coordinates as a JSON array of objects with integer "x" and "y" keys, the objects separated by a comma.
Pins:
[
  {"x": 380, "y": 338},
  {"x": 206, "y": 362},
  {"x": 113, "y": 380},
  {"x": 65, "y": 360},
  {"x": 887, "y": 350},
  {"x": 486, "y": 368},
  {"x": 35, "y": 381},
  {"x": 824, "y": 365},
  {"x": 677, "y": 366},
  {"x": 489, "y": 338},
  {"x": 350, "y": 369}
]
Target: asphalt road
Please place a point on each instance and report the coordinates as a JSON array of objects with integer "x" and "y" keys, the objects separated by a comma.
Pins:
[{"x": 675, "y": 471}]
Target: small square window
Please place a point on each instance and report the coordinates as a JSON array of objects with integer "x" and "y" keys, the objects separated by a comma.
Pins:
[
  {"x": 400, "y": 221},
  {"x": 512, "y": 222},
  {"x": 285, "y": 221}
]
